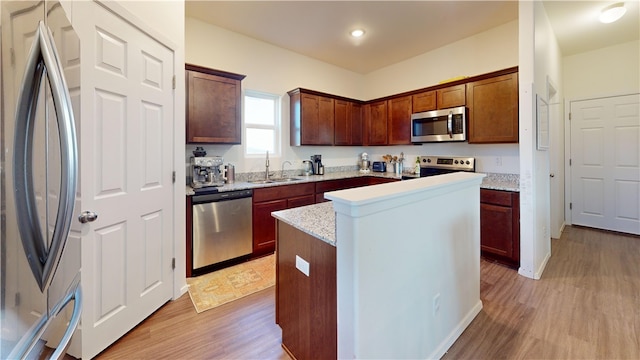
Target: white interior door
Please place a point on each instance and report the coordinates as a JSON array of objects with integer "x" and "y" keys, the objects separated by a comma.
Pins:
[
  {"x": 605, "y": 163},
  {"x": 127, "y": 165}
]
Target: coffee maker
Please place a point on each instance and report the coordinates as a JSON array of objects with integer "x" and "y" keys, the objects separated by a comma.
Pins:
[
  {"x": 205, "y": 171},
  {"x": 318, "y": 168}
]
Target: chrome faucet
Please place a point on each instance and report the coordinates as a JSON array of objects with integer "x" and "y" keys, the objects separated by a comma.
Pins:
[
  {"x": 282, "y": 170},
  {"x": 266, "y": 164}
]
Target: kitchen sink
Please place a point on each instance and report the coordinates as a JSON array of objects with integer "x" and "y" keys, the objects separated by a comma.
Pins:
[
  {"x": 286, "y": 179},
  {"x": 260, "y": 181}
]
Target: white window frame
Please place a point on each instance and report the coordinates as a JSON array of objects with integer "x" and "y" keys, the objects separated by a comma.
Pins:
[{"x": 275, "y": 127}]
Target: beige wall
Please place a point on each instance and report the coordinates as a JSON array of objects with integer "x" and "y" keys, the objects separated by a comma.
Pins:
[
  {"x": 268, "y": 68},
  {"x": 494, "y": 49},
  {"x": 613, "y": 70},
  {"x": 276, "y": 70}
]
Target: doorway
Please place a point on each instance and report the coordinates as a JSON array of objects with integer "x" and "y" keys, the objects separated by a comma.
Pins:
[{"x": 605, "y": 163}]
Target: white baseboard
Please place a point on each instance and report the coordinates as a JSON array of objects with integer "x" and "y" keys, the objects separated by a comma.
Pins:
[
  {"x": 538, "y": 273},
  {"x": 456, "y": 332}
]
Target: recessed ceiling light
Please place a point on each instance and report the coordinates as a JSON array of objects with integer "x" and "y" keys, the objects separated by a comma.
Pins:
[
  {"x": 357, "y": 33},
  {"x": 612, "y": 13}
]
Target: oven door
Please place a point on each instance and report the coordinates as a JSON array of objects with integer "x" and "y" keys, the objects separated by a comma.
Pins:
[
  {"x": 439, "y": 125},
  {"x": 429, "y": 171}
]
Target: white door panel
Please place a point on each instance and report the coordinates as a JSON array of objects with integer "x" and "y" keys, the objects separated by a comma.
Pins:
[
  {"x": 127, "y": 178},
  {"x": 605, "y": 170}
]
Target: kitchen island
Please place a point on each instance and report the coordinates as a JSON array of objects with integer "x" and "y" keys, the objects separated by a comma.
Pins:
[{"x": 386, "y": 271}]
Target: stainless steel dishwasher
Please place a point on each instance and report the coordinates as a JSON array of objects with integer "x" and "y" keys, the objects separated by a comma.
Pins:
[{"x": 222, "y": 228}]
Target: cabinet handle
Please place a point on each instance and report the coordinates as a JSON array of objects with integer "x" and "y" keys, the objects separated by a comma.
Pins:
[{"x": 552, "y": 175}]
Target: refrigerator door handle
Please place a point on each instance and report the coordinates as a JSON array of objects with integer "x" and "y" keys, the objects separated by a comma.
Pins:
[
  {"x": 44, "y": 58},
  {"x": 27, "y": 347}
]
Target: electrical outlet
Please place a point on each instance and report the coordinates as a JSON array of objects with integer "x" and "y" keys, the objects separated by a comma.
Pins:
[
  {"x": 498, "y": 160},
  {"x": 302, "y": 265},
  {"x": 436, "y": 304}
]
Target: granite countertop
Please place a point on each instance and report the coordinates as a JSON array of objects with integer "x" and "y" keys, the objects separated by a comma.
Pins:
[
  {"x": 494, "y": 181},
  {"x": 318, "y": 220},
  {"x": 507, "y": 182}
]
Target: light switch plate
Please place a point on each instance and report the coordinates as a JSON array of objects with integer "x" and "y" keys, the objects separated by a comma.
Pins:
[{"x": 302, "y": 265}]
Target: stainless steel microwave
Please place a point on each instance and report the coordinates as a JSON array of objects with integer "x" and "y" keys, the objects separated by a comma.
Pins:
[{"x": 439, "y": 125}]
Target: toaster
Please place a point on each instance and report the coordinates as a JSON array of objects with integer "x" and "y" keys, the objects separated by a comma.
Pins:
[{"x": 379, "y": 166}]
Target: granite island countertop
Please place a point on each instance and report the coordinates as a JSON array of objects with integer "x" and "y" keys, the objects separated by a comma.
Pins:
[
  {"x": 318, "y": 220},
  {"x": 494, "y": 181}
]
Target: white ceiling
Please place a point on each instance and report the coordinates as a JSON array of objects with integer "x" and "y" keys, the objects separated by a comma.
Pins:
[{"x": 398, "y": 30}]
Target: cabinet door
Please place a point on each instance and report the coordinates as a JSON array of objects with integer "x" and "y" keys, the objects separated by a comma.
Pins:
[
  {"x": 317, "y": 120},
  {"x": 496, "y": 229},
  {"x": 451, "y": 96},
  {"x": 377, "y": 123},
  {"x": 348, "y": 123},
  {"x": 264, "y": 225},
  {"x": 399, "y": 121},
  {"x": 493, "y": 109},
  {"x": 425, "y": 101},
  {"x": 342, "y": 123},
  {"x": 213, "y": 109},
  {"x": 309, "y": 122},
  {"x": 301, "y": 201},
  {"x": 326, "y": 122},
  {"x": 355, "y": 111}
]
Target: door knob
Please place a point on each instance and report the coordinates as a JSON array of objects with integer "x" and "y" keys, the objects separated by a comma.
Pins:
[{"x": 87, "y": 216}]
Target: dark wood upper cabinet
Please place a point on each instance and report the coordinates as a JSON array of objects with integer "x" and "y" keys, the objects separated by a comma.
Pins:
[
  {"x": 493, "y": 109},
  {"x": 451, "y": 96},
  {"x": 213, "y": 106},
  {"x": 348, "y": 123},
  {"x": 424, "y": 101},
  {"x": 312, "y": 118},
  {"x": 376, "y": 123},
  {"x": 399, "y": 121},
  {"x": 324, "y": 119}
]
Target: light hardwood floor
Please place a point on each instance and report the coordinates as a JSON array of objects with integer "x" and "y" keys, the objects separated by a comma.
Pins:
[{"x": 587, "y": 306}]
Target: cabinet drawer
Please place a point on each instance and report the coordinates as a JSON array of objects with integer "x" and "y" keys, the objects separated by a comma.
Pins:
[
  {"x": 340, "y": 184},
  {"x": 283, "y": 192},
  {"x": 496, "y": 197}
]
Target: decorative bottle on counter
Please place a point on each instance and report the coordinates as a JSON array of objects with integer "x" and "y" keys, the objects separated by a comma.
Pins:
[{"x": 416, "y": 170}]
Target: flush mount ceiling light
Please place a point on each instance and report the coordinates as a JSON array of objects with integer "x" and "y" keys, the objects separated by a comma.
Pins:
[
  {"x": 357, "y": 33},
  {"x": 612, "y": 13}
]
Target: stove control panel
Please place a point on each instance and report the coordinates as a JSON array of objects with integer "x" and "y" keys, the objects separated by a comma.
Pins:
[{"x": 452, "y": 163}]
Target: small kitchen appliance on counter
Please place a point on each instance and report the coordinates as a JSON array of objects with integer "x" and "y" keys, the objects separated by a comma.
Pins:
[
  {"x": 229, "y": 175},
  {"x": 205, "y": 172},
  {"x": 364, "y": 162},
  {"x": 379, "y": 166},
  {"x": 318, "y": 168}
]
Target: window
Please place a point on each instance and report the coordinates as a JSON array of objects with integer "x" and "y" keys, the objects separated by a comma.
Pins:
[{"x": 261, "y": 114}]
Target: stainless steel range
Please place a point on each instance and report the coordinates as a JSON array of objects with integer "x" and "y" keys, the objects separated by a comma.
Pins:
[{"x": 438, "y": 165}]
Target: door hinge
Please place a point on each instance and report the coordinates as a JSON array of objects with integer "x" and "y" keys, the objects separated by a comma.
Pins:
[
  {"x": 17, "y": 300},
  {"x": 173, "y": 177},
  {"x": 570, "y": 206},
  {"x": 569, "y": 162},
  {"x": 569, "y": 116},
  {"x": 173, "y": 263},
  {"x": 174, "y": 82},
  {"x": 13, "y": 57}
]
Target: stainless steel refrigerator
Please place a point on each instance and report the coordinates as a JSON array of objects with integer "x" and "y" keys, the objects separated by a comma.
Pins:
[{"x": 41, "y": 298}]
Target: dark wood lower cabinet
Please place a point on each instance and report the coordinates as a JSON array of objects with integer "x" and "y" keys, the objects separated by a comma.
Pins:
[
  {"x": 264, "y": 225},
  {"x": 500, "y": 226},
  {"x": 306, "y": 306},
  {"x": 267, "y": 200}
]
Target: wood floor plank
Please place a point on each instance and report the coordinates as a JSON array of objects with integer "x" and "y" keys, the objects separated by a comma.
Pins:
[{"x": 586, "y": 306}]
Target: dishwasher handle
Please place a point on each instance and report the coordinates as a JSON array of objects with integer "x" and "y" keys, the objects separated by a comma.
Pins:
[{"x": 221, "y": 196}]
